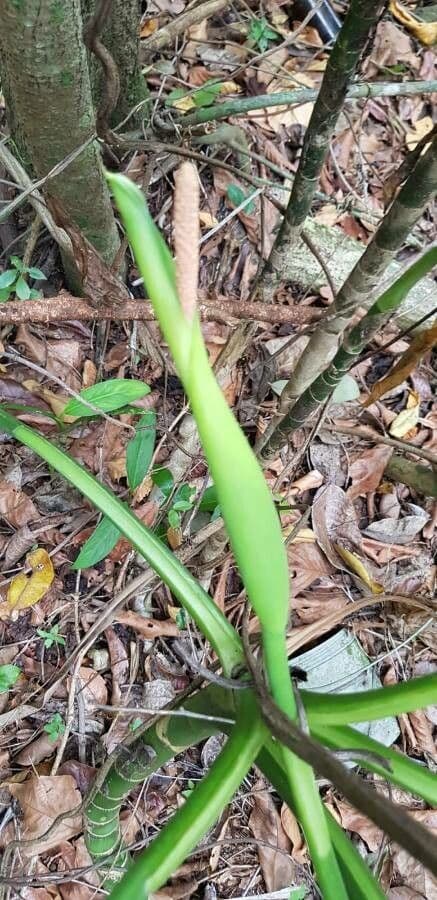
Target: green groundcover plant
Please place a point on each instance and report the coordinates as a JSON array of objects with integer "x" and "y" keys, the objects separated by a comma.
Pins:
[{"x": 255, "y": 535}]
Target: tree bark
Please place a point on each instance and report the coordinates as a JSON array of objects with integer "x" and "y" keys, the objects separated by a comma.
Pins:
[
  {"x": 50, "y": 112},
  {"x": 121, "y": 36}
]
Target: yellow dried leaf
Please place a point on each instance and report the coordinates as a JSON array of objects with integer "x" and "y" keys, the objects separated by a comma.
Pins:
[
  {"x": 184, "y": 104},
  {"x": 354, "y": 562},
  {"x": 230, "y": 87},
  {"x": 148, "y": 27},
  {"x": 419, "y": 130},
  {"x": 407, "y": 419},
  {"x": 206, "y": 219},
  {"x": 26, "y": 590},
  {"x": 425, "y": 32},
  {"x": 423, "y": 342}
]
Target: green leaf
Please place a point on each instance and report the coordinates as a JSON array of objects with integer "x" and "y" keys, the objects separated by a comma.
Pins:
[
  {"x": 99, "y": 544},
  {"x": 8, "y": 677},
  {"x": 36, "y": 274},
  {"x": 163, "y": 479},
  {"x": 22, "y": 289},
  {"x": 5, "y": 293},
  {"x": 236, "y": 196},
  {"x": 17, "y": 263},
  {"x": 7, "y": 278},
  {"x": 261, "y": 33},
  {"x": 174, "y": 519},
  {"x": 107, "y": 396},
  {"x": 35, "y": 295},
  {"x": 347, "y": 389},
  {"x": 176, "y": 94},
  {"x": 182, "y": 505},
  {"x": 181, "y": 619},
  {"x": 139, "y": 450},
  {"x": 393, "y": 296},
  {"x": 51, "y": 637},
  {"x": 209, "y": 500},
  {"x": 55, "y": 727},
  {"x": 298, "y": 893},
  {"x": 207, "y": 94}
]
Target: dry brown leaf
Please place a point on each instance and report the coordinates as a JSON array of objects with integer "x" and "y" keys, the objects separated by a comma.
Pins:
[
  {"x": 425, "y": 32},
  {"x": 119, "y": 664},
  {"x": 39, "y": 749},
  {"x": 423, "y": 732},
  {"x": 92, "y": 688},
  {"x": 148, "y": 628},
  {"x": 76, "y": 856},
  {"x": 148, "y": 27},
  {"x": 16, "y": 507},
  {"x": 390, "y": 48},
  {"x": 367, "y": 470},
  {"x": 335, "y": 522},
  {"x": 404, "y": 893},
  {"x": 42, "y": 798},
  {"x": 407, "y": 869},
  {"x": 307, "y": 564},
  {"x": 420, "y": 344},
  {"x": 265, "y": 825},
  {"x": 419, "y": 130},
  {"x": 294, "y": 834},
  {"x": 355, "y": 821}
]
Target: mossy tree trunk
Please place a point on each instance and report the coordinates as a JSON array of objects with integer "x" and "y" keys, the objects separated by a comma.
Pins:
[
  {"x": 50, "y": 111},
  {"x": 121, "y": 36}
]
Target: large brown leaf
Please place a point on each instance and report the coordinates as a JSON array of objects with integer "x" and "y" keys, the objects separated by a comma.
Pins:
[
  {"x": 367, "y": 470},
  {"x": 42, "y": 799},
  {"x": 265, "y": 824},
  {"x": 16, "y": 507}
]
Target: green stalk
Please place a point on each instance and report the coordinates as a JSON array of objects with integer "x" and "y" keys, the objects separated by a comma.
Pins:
[
  {"x": 247, "y": 507},
  {"x": 192, "y": 596},
  {"x": 403, "y": 771},
  {"x": 367, "y": 706},
  {"x": 306, "y": 798},
  {"x": 242, "y": 105},
  {"x": 356, "y": 340},
  {"x": 199, "y": 812}
]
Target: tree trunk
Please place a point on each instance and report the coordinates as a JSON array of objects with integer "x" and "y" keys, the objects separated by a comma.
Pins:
[
  {"x": 121, "y": 37},
  {"x": 50, "y": 112}
]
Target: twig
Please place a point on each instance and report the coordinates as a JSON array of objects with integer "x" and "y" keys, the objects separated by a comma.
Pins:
[
  {"x": 241, "y": 106},
  {"x": 366, "y": 432},
  {"x": 111, "y": 84},
  {"x": 166, "y": 35},
  {"x": 65, "y": 307},
  {"x": 35, "y": 198},
  {"x": 150, "y": 711}
]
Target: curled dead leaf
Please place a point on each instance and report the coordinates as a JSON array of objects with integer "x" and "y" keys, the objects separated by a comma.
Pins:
[
  {"x": 25, "y": 590},
  {"x": 265, "y": 824},
  {"x": 424, "y": 341},
  {"x": 425, "y": 32}
]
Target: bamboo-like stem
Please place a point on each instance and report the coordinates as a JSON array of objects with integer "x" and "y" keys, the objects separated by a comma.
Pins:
[
  {"x": 241, "y": 106},
  {"x": 357, "y": 292},
  {"x": 356, "y": 340},
  {"x": 354, "y": 34},
  {"x": 420, "y": 478}
]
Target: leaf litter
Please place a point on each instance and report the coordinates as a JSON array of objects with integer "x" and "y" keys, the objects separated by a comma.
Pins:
[{"x": 364, "y": 529}]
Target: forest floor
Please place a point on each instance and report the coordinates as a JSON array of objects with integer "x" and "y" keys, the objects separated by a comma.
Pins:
[{"x": 330, "y": 481}]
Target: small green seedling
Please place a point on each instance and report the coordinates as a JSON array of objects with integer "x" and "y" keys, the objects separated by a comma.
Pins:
[
  {"x": 8, "y": 677},
  {"x": 261, "y": 34},
  {"x": 55, "y": 727},
  {"x": 14, "y": 281},
  {"x": 51, "y": 637}
]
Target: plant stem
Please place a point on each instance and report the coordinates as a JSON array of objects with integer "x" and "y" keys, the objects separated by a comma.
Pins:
[
  {"x": 421, "y": 478},
  {"x": 241, "y": 107},
  {"x": 407, "y": 774},
  {"x": 356, "y": 340},
  {"x": 357, "y": 291},
  {"x": 307, "y": 802},
  {"x": 359, "y": 21},
  {"x": 199, "y": 812},
  {"x": 367, "y": 706}
]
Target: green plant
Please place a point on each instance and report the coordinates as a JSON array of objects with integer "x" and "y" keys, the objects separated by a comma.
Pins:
[
  {"x": 14, "y": 281},
  {"x": 254, "y": 529},
  {"x": 261, "y": 34},
  {"x": 51, "y": 637},
  {"x": 8, "y": 677},
  {"x": 55, "y": 727}
]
